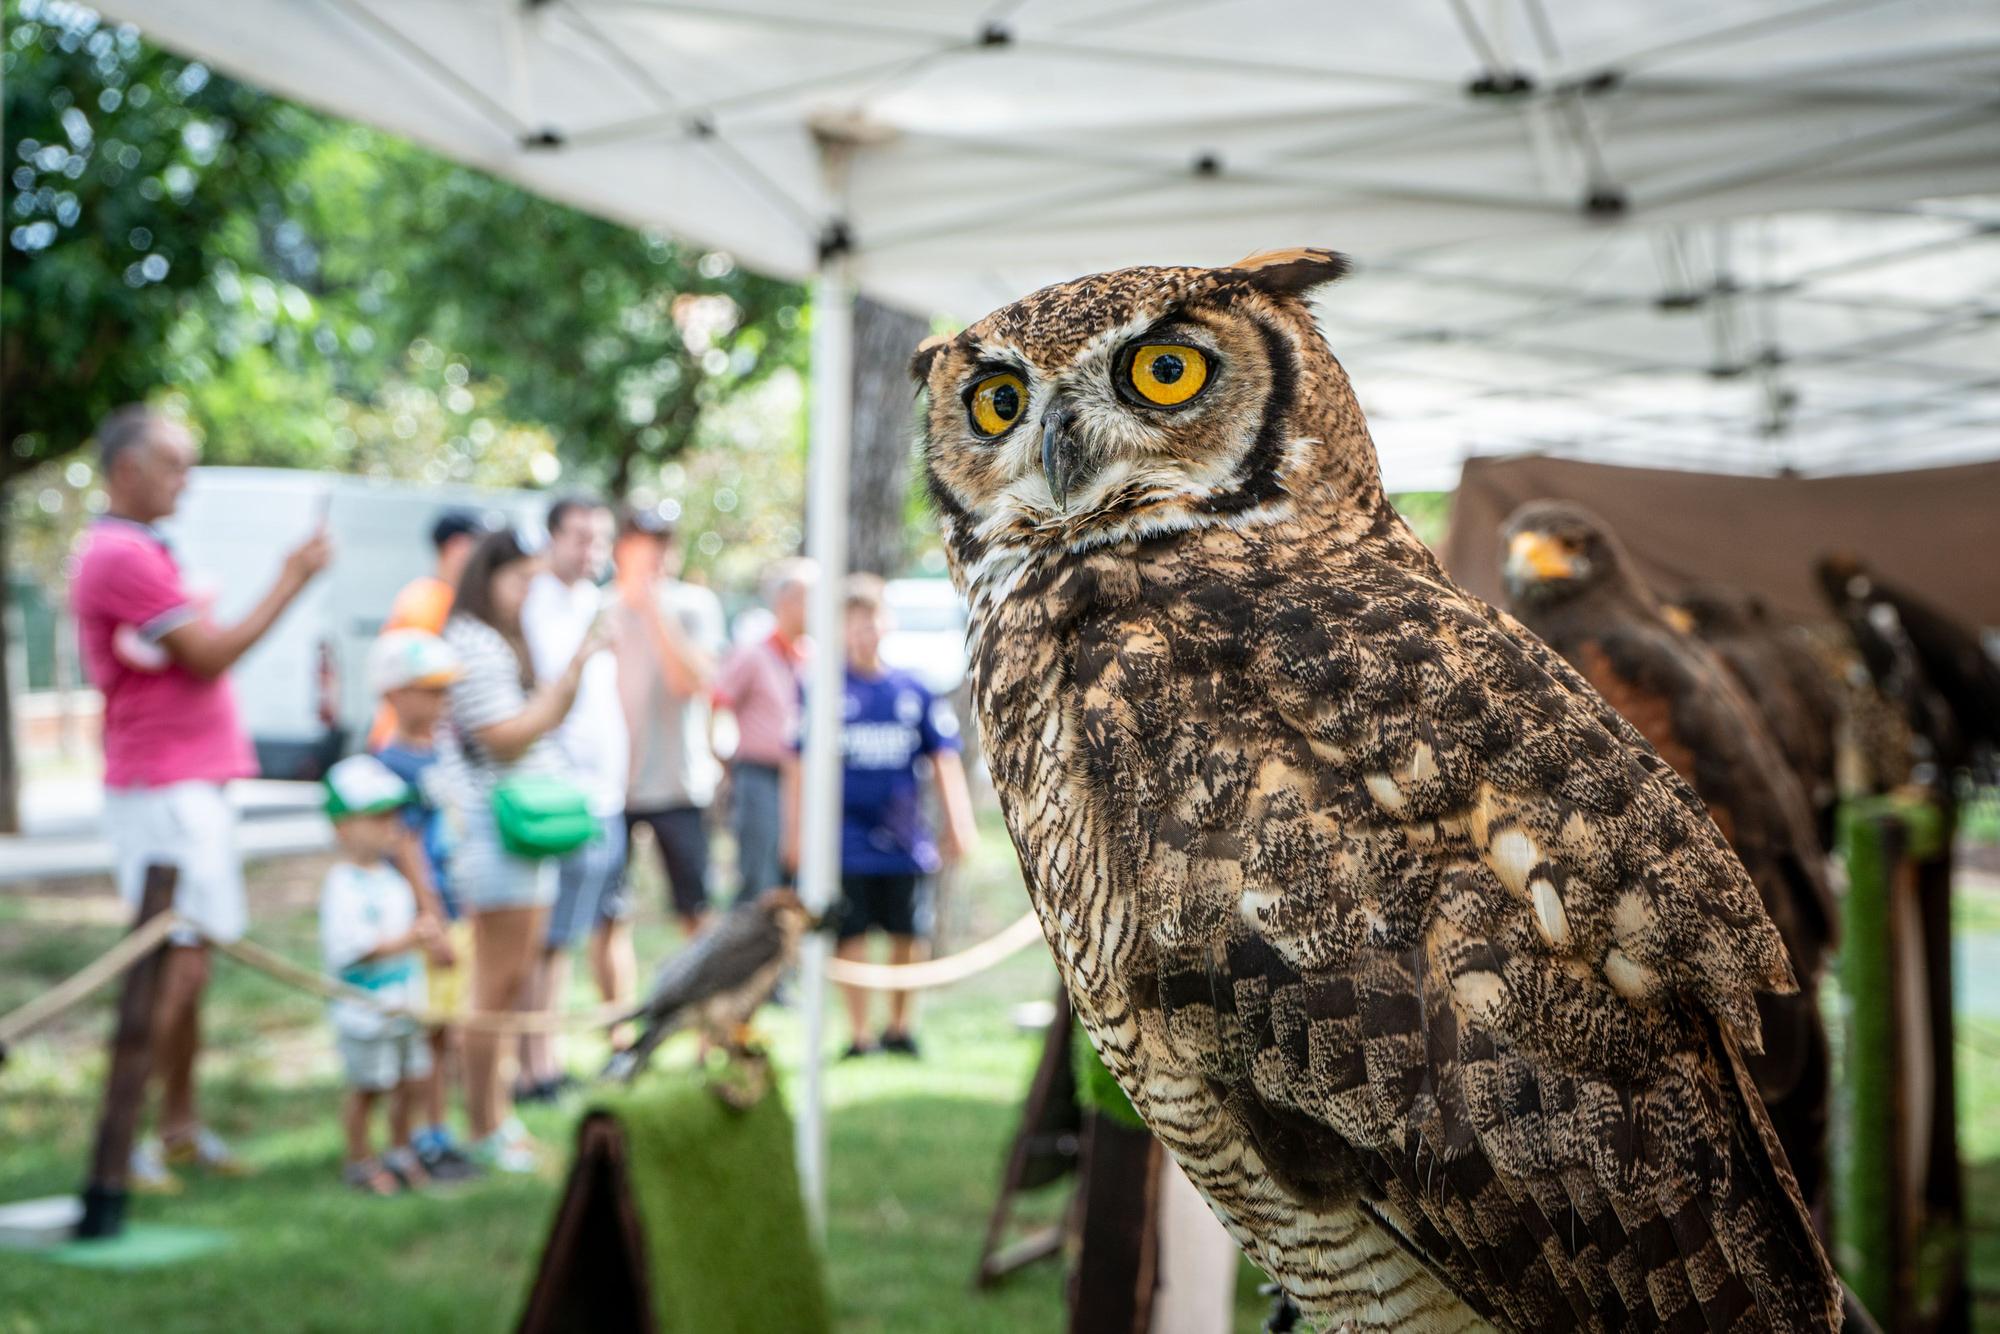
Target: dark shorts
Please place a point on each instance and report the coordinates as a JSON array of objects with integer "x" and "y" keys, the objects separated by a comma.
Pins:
[
  {"x": 590, "y": 888},
  {"x": 898, "y": 903},
  {"x": 681, "y": 835}
]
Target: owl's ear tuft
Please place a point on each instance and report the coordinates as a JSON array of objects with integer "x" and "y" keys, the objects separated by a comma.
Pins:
[
  {"x": 925, "y": 355},
  {"x": 1291, "y": 272}
]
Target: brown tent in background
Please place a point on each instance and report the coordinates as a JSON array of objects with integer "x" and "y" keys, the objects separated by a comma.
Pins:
[{"x": 1936, "y": 532}]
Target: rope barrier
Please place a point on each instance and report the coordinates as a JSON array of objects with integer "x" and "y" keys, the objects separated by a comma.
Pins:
[
  {"x": 45, "y": 1007},
  {"x": 968, "y": 962},
  {"x": 281, "y": 969},
  {"x": 136, "y": 945}
]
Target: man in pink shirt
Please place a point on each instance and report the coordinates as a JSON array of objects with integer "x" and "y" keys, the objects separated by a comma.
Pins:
[
  {"x": 759, "y": 683},
  {"x": 172, "y": 741}
]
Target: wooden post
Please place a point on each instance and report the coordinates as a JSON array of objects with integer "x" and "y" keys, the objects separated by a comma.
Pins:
[
  {"x": 104, "y": 1195},
  {"x": 1111, "y": 1289},
  {"x": 1044, "y": 1149},
  {"x": 594, "y": 1270}
]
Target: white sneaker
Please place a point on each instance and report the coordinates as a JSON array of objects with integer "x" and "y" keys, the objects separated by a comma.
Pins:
[
  {"x": 205, "y": 1149},
  {"x": 497, "y": 1153},
  {"x": 147, "y": 1174}
]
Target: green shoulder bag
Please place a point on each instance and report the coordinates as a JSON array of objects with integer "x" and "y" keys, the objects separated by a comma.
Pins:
[{"x": 542, "y": 815}]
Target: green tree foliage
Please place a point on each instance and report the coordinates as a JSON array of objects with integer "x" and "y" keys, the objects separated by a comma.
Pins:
[
  {"x": 131, "y": 175},
  {"x": 287, "y": 279},
  {"x": 618, "y": 340}
]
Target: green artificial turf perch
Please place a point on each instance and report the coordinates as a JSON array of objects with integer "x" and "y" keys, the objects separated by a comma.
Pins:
[
  {"x": 681, "y": 1215},
  {"x": 1097, "y": 1088}
]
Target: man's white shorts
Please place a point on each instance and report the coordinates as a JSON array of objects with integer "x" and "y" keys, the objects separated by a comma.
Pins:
[{"x": 189, "y": 826}]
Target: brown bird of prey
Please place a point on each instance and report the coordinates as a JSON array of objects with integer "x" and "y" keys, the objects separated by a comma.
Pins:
[
  {"x": 1571, "y": 582},
  {"x": 1929, "y": 663},
  {"x": 1875, "y": 748},
  {"x": 716, "y": 984},
  {"x": 1796, "y": 695},
  {"x": 1434, "y": 978}
]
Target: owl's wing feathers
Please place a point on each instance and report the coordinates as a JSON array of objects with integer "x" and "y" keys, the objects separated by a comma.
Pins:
[
  {"x": 1705, "y": 725},
  {"x": 1435, "y": 923}
]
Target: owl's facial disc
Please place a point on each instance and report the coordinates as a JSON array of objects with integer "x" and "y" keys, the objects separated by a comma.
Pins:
[
  {"x": 1142, "y": 414},
  {"x": 1047, "y": 432}
]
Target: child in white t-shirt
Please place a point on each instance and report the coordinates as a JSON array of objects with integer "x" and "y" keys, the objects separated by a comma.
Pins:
[{"x": 372, "y": 937}]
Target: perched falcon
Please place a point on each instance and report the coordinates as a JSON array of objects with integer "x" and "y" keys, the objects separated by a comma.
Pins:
[
  {"x": 1432, "y": 975},
  {"x": 1796, "y": 695},
  {"x": 1570, "y": 582},
  {"x": 1934, "y": 667},
  {"x": 721, "y": 979}
]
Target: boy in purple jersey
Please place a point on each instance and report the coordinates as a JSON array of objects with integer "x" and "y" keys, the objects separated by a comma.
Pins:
[{"x": 886, "y": 848}]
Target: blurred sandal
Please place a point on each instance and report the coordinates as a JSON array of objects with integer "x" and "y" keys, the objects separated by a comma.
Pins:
[
  {"x": 370, "y": 1177},
  {"x": 407, "y": 1168}
]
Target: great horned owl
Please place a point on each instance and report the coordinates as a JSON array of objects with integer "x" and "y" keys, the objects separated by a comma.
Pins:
[
  {"x": 1432, "y": 975},
  {"x": 1572, "y": 583}
]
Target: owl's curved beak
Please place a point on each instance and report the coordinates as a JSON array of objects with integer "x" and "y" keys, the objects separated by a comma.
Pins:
[{"x": 1063, "y": 463}]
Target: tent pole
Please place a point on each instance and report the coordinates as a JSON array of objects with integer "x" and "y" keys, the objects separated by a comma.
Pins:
[{"x": 826, "y": 543}]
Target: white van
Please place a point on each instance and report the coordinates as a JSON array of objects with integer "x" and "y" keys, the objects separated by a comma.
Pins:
[
  {"x": 303, "y": 689},
  {"x": 928, "y": 640}
]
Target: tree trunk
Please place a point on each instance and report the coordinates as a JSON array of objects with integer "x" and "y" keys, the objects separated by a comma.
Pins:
[
  {"x": 10, "y": 759},
  {"x": 621, "y": 469},
  {"x": 884, "y": 421}
]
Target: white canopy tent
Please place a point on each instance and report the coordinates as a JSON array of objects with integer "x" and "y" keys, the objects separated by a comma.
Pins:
[
  {"x": 1739, "y": 235},
  {"x": 1744, "y": 235}
]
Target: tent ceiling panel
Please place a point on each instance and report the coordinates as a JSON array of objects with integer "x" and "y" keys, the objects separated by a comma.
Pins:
[{"x": 1757, "y": 235}]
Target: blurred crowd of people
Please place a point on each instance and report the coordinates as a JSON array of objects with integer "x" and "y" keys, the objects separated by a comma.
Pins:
[{"x": 549, "y": 704}]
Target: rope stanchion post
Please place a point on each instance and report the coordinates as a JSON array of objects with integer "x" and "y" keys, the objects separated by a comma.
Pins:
[{"x": 105, "y": 1194}]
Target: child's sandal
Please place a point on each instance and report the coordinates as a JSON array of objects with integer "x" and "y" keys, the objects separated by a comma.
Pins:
[
  {"x": 407, "y": 1168},
  {"x": 370, "y": 1177}
]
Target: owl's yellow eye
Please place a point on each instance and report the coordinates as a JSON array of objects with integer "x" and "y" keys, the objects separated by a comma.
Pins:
[
  {"x": 1167, "y": 374},
  {"x": 997, "y": 402}
]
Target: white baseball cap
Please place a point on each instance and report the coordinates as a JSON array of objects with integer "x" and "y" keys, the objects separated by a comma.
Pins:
[
  {"x": 410, "y": 658},
  {"x": 363, "y": 785}
]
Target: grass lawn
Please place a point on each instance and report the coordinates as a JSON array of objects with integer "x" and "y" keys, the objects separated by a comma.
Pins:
[
  {"x": 915, "y": 1151},
  {"x": 915, "y": 1147}
]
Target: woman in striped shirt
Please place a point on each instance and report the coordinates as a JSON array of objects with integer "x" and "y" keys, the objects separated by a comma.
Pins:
[{"x": 500, "y": 725}]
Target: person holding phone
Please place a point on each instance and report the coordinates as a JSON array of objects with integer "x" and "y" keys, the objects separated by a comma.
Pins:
[
  {"x": 565, "y": 607},
  {"x": 669, "y": 635},
  {"x": 501, "y": 733},
  {"x": 173, "y": 742}
]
